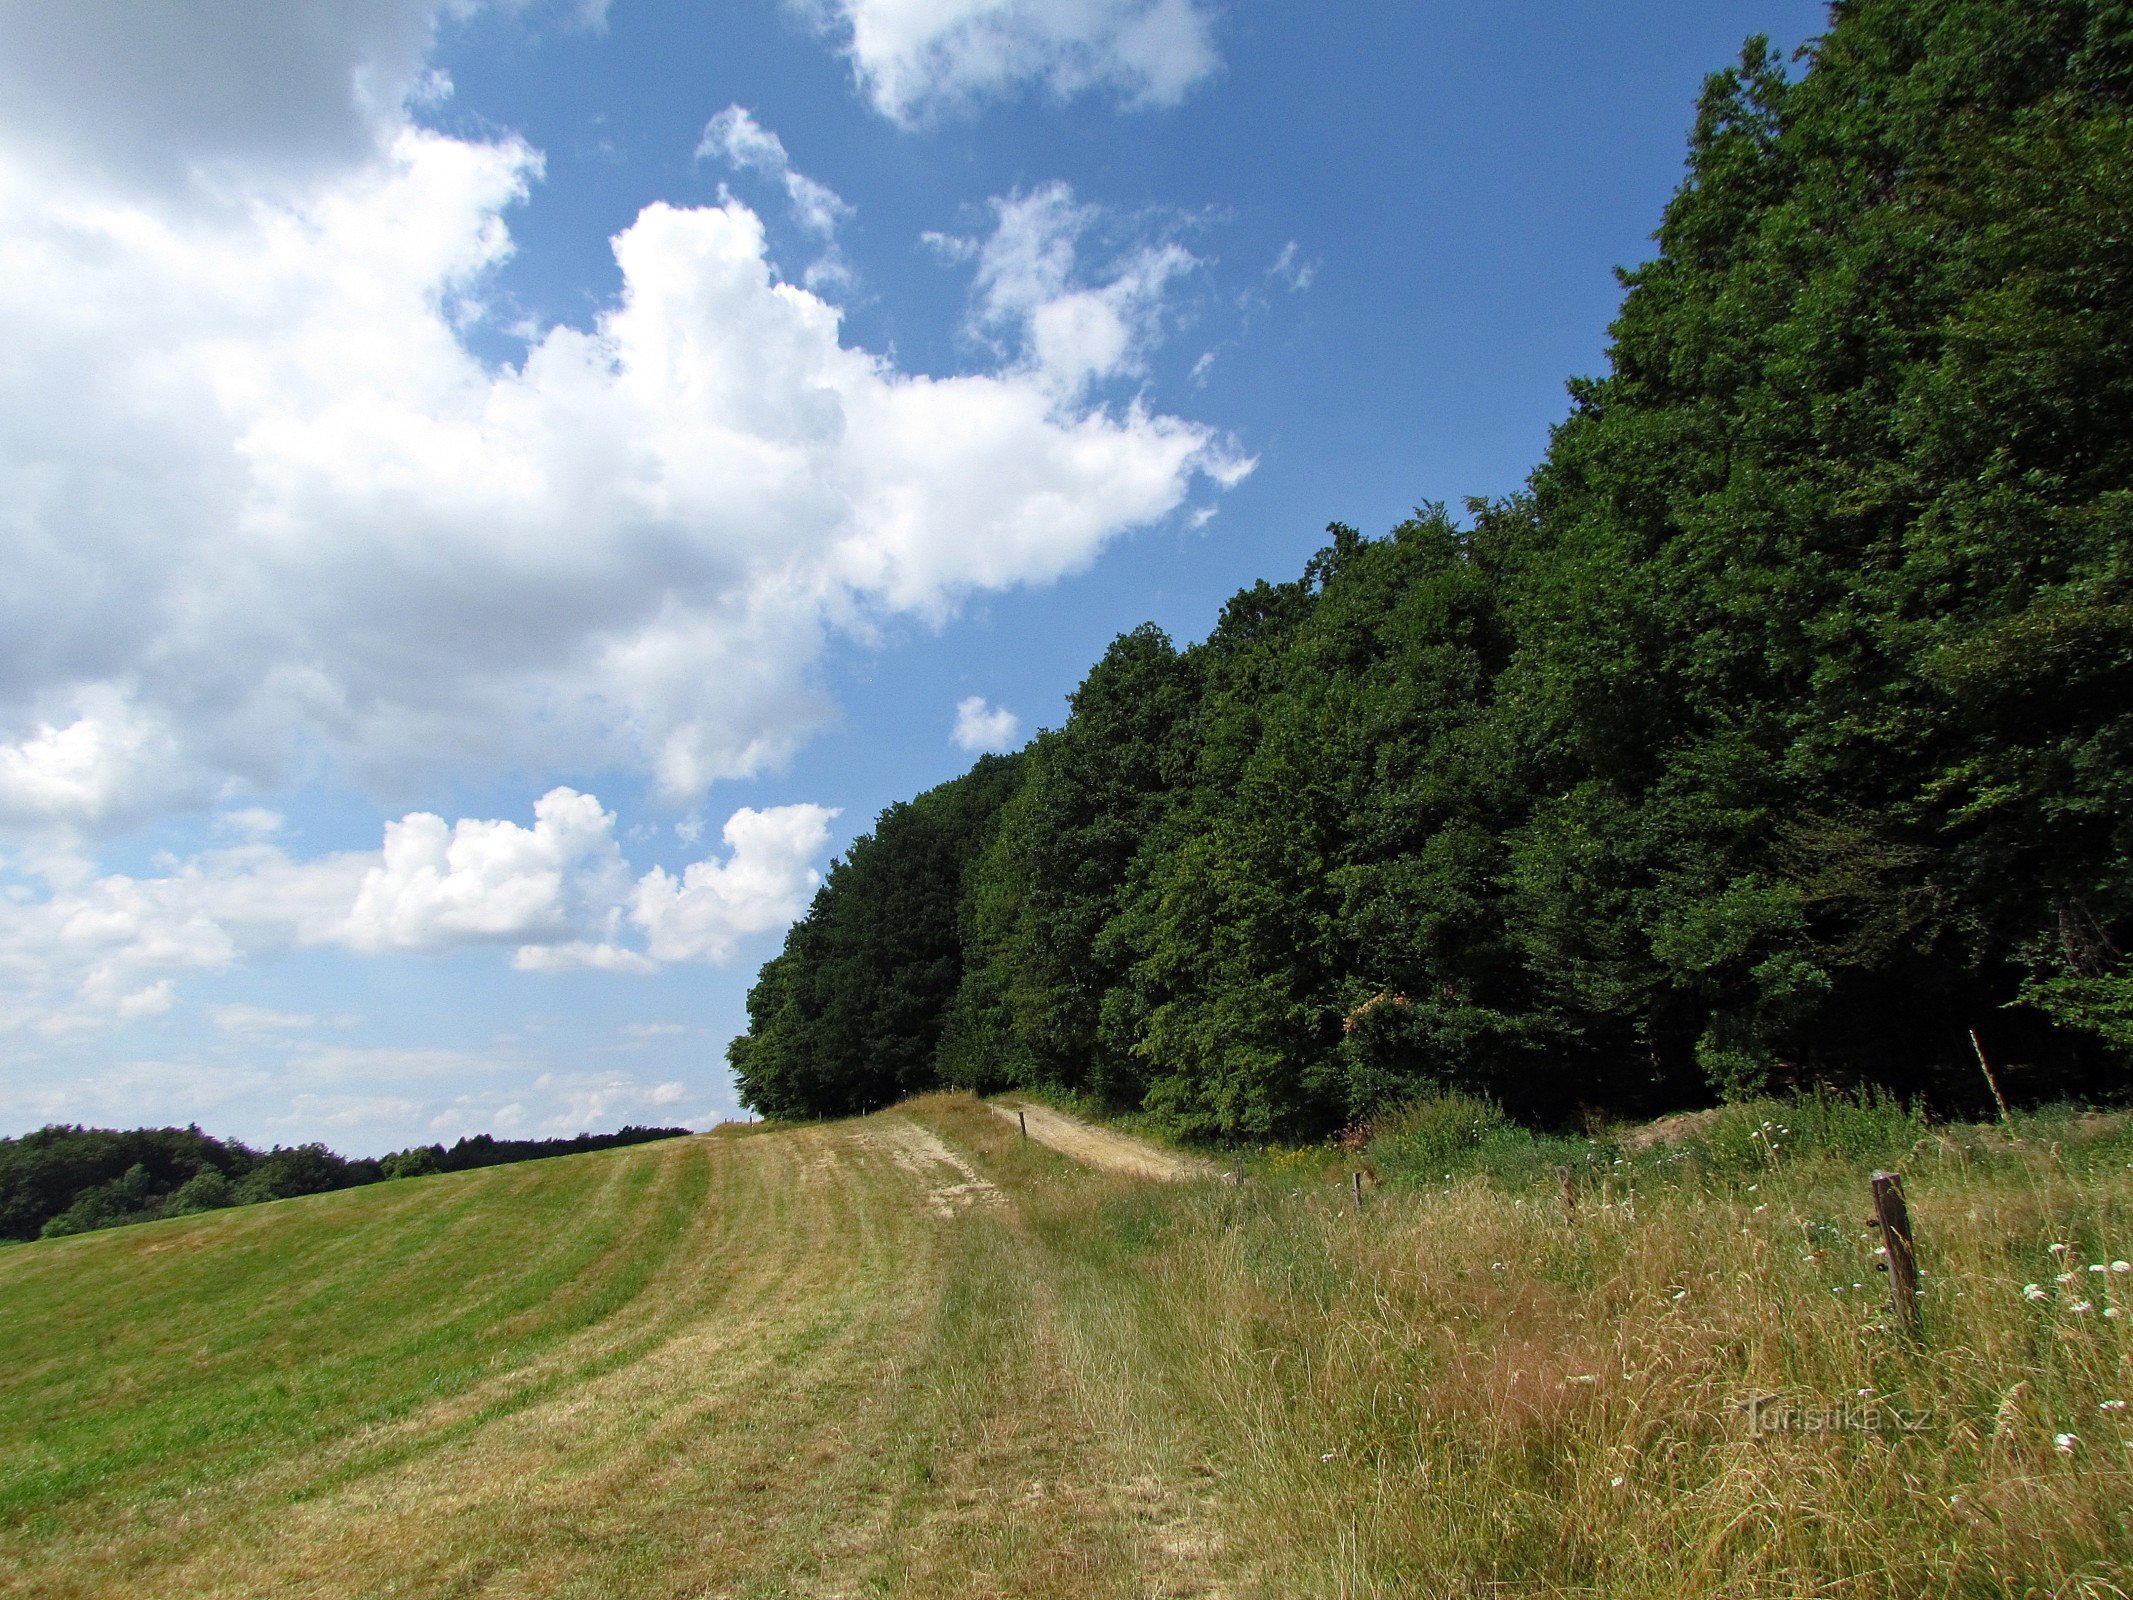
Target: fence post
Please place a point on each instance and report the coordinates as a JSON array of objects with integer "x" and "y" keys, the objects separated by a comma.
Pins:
[
  {"x": 1023, "y": 1117},
  {"x": 1240, "y": 1168},
  {"x": 1893, "y": 1218},
  {"x": 1358, "y": 1190}
]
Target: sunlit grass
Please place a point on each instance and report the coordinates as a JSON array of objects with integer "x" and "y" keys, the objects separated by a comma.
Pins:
[
  {"x": 1463, "y": 1385},
  {"x": 816, "y": 1361}
]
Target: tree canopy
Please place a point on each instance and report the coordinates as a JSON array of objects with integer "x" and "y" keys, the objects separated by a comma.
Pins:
[{"x": 1780, "y": 731}]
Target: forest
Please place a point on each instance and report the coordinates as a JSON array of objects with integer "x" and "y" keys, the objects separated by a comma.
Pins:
[
  {"x": 1778, "y": 733},
  {"x": 61, "y": 1179}
]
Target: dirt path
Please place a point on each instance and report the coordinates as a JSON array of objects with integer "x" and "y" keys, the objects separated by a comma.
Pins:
[{"x": 1101, "y": 1148}]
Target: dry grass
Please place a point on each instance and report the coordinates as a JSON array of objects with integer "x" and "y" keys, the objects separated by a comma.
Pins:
[
  {"x": 1461, "y": 1392},
  {"x": 918, "y": 1355}
]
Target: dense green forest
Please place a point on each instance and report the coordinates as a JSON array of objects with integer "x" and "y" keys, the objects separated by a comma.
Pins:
[
  {"x": 1780, "y": 732},
  {"x": 63, "y": 1179}
]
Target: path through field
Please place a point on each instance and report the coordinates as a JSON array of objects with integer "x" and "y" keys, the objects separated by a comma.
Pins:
[
  {"x": 813, "y": 1362},
  {"x": 1102, "y": 1147}
]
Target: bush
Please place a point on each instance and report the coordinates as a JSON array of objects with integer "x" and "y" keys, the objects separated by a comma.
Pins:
[
  {"x": 128, "y": 1198},
  {"x": 207, "y": 1190},
  {"x": 420, "y": 1162},
  {"x": 1430, "y": 1140}
]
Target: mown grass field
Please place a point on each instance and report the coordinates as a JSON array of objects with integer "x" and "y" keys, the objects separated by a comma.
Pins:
[{"x": 915, "y": 1355}]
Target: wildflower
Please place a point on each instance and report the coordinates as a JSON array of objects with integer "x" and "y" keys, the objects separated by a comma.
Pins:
[
  {"x": 1761, "y": 1209},
  {"x": 1681, "y": 1294},
  {"x": 2056, "y": 1248},
  {"x": 2112, "y": 1311},
  {"x": 2082, "y": 1305},
  {"x": 2112, "y": 1405},
  {"x": 1616, "y": 1481},
  {"x": 2064, "y": 1442},
  {"x": 1585, "y": 1377},
  {"x": 2122, "y": 1266},
  {"x": 1753, "y": 1187},
  {"x": 1329, "y": 1455},
  {"x": 2066, "y": 1277},
  {"x": 1863, "y": 1393},
  {"x": 2098, "y": 1267},
  {"x": 2033, "y": 1291}
]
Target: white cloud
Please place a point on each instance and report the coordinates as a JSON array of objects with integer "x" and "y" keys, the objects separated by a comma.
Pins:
[
  {"x": 979, "y": 726},
  {"x": 253, "y": 822},
  {"x": 490, "y": 881},
  {"x": 266, "y": 512},
  {"x": 1291, "y": 269},
  {"x": 166, "y": 97},
  {"x": 735, "y": 137},
  {"x": 916, "y": 58},
  {"x": 1037, "y": 306},
  {"x": 90, "y": 951},
  {"x": 763, "y": 884},
  {"x": 249, "y": 1019}
]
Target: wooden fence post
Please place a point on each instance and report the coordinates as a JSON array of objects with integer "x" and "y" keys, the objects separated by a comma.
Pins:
[
  {"x": 1358, "y": 1190},
  {"x": 1023, "y": 1117},
  {"x": 1893, "y": 1218},
  {"x": 1240, "y": 1168}
]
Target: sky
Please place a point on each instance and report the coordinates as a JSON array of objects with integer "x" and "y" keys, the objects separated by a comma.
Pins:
[{"x": 497, "y": 494}]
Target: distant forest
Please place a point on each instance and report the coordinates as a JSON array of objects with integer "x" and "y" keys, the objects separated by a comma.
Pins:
[
  {"x": 61, "y": 1180},
  {"x": 1779, "y": 732}
]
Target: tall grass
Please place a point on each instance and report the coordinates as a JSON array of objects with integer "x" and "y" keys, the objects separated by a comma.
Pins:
[{"x": 1463, "y": 1389}]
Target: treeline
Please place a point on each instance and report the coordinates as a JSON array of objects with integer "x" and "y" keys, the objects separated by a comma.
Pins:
[
  {"x": 61, "y": 1180},
  {"x": 1780, "y": 732}
]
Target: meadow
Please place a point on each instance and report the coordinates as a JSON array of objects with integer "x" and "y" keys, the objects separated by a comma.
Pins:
[{"x": 914, "y": 1354}]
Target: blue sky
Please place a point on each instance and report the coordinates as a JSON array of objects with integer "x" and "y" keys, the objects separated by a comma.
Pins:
[{"x": 668, "y": 416}]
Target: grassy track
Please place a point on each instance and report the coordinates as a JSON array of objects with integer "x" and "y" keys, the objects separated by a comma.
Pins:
[
  {"x": 816, "y": 1362},
  {"x": 916, "y": 1355}
]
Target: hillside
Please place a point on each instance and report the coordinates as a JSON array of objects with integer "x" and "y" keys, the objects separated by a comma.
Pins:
[{"x": 916, "y": 1355}]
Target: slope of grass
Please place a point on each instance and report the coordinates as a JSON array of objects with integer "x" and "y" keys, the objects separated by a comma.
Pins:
[{"x": 917, "y": 1355}]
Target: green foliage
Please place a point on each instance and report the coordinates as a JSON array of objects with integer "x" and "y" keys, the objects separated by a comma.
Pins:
[
  {"x": 1780, "y": 734},
  {"x": 420, "y": 1162},
  {"x": 849, "y": 1016},
  {"x": 207, "y": 1190},
  {"x": 66, "y": 1180},
  {"x": 1430, "y": 1140}
]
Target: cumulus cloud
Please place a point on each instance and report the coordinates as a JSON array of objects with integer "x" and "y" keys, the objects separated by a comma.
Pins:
[
  {"x": 763, "y": 883},
  {"x": 917, "y": 58},
  {"x": 90, "y": 950},
  {"x": 489, "y": 881},
  {"x": 979, "y": 726},
  {"x": 263, "y": 505}
]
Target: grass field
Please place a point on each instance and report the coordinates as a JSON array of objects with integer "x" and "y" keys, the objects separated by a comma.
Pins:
[{"x": 915, "y": 1355}]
